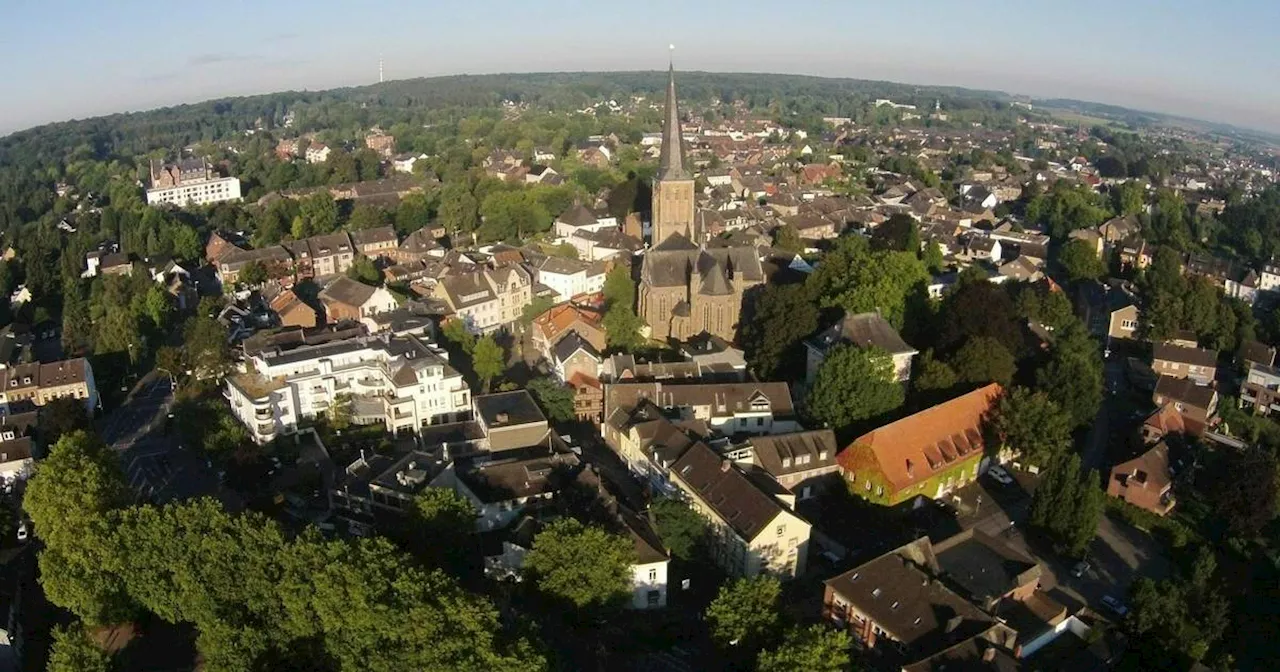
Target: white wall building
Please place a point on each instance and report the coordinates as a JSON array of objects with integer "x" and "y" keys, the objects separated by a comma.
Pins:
[
  {"x": 199, "y": 192},
  {"x": 399, "y": 381},
  {"x": 570, "y": 277}
]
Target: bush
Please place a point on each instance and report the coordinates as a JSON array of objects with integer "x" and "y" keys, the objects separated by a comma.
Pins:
[{"x": 1169, "y": 530}]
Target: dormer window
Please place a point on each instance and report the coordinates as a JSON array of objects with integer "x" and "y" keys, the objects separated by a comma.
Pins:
[{"x": 786, "y": 463}]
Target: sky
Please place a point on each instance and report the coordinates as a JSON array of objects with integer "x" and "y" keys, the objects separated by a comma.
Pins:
[{"x": 1213, "y": 60}]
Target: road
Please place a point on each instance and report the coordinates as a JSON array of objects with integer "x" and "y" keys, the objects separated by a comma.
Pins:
[
  {"x": 1095, "y": 448},
  {"x": 156, "y": 465}
]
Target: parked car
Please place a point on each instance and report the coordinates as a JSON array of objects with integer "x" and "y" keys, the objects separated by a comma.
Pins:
[
  {"x": 1115, "y": 605},
  {"x": 22, "y": 531},
  {"x": 1081, "y": 568},
  {"x": 999, "y": 474}
]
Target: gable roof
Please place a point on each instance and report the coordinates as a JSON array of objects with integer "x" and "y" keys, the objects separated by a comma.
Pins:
[
  {"x": 1184, "y": 355},
  {"x": 1150, "y": 469},
  {"x": 381, "y": 234},
  {"x": 726, "y": 490},
  {"x": 864, "y": 330},
  {"x": 910, "y": 450},
  {"x": 346, "y": 291},
  {"x": 1186, "y": 391},
  {"x": 771, "y": 450}
]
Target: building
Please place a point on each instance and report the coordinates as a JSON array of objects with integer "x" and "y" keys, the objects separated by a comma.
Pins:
[
  {"x": 688, "y": 288},
  {"x": 752, "y": 532},
  {"x": 376, "y": 243},
  {"x": 39, "y": 384},
  {"x": 1146, "y": 481},
  {"x": 190, "y": 182},
  {"x": 293, "y": 311},
  {"x": 402, "y": 382},
  {"x": 562, "y": 320},
  {"x": 573, "y": 356},
  {"x": 802, "y": 462},
  {"x": 569, "y": 277},
  {"x": 727, "y": 408},
  {"x": 1196, "y": 403},
  {"x": 926, "y": 454},
  {"x": 382, "y": 143},
  {"x": 510, "y": 420},
  {"x": 862, "y": 330},
  {"x": 318, "y": 152},
  {"x": 487, "y": 299},
  {"x": 347, "y": 299},
  {"x": 1180, "y": 361},
  {"x": 1261, "y": 388},
  {"x": 897, "y": 605}
]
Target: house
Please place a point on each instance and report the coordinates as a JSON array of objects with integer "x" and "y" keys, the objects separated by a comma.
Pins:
[
  {"x": 318, "y": 152},
  {"x": 588, "y": 396},
  {"x": 752, "y": 532},
  {"x": 487, "y": 299},
  {"x": 330, "y": 254},
  {"x": 382, "y": 143},
  {"x": 578, "y": 218},
  {"x": 39, "y": 383},
  {"x": 1022, "y": 269},
  {"x": 573, "y": 356},
  {"x": 418, "y": 246},
  {"x": 1179, "y": 361},
  {"x": 926, "y": 454},
  {"x": 802, "y": 462},
  {"x": 1123, "y": 319},
  {"x": 116, "y": 263},
  {"x": 1146, "y": 481},
  {"x": 510, "y": 420},
  {"x": 729, "y": 408},
  {"x": 1196, "y": 403},
  {"x": 542, "y": 174},
  {"x": 347, "y": 299},
  {"x": 404, "y": 163},
  {"x": 401, "y": 382},
  {"x": 292, "y": 311},
  {"x": 505, "y": 489},
  {"x": 571, "y": 277},
  {"x": 862, "y": 330},
  {"x": 1260, "y": 388},
  {"x": 991, "y": 573},
  {"x": 375, "y": 243},
  {"x": 562, "y": 320},
  {"x": 897, "y": 604}
]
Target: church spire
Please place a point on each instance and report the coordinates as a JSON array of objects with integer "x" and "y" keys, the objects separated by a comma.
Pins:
[{"x": 671, "y": 163}]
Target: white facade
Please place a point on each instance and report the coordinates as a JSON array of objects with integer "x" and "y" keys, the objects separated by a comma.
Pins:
[
  {"x": 649, "y": 585},
  {"x": 569, "y": 285},
  {"x": 198, "y": 192},
  {"x": 399, "y": 381}
]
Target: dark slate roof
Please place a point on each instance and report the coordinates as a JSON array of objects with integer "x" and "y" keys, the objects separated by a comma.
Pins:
[
  {"x": 347, "y": 291},
  {"x": 771, "y": 450},
  {"x": 381, "y": 234},
  {"x": 1261, "y": 353},
  {"x": 577, "y": 215},
  {"x": 518, "y": 406},
  {"x": 671, "y": 163},
  {"x": 983, "y": 566},
  {"x": 864, "y": 330},
  {"x": 728, "y": 491},
  {"x": 1186, "y": 391},
  {"x": 1178, "y": 353},
  {"x": 572, "y": 343}
]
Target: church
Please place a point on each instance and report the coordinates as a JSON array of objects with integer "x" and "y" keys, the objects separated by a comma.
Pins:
[{"x": 686, "y": 287}]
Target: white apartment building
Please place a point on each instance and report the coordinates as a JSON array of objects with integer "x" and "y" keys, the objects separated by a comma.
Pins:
[
  {"x": 401, "y": 382},
  {"x": 489, "y": 299},
  {"x": 570, "y": 277},
  {"x": 202, "y": 192}
]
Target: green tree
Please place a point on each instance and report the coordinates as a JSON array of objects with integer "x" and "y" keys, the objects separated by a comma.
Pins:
[
  {"x": 860, "y": 280},
  {"x": 441, "y": 524},
  {"x": 745, "y": 610},
  {"x": 363, "y": 270},
  {"x": 933, "y": 258},
  {"x": 899, "y": 233},
  {"x": 779, "y": 320},
  {"x": 1073, "y": 376},
  {"x": 1068, "y": 505},
  {"x": 1033, "y": 425},
  {"x": 459, "y": 210},
  {"x": 62, "y": 416},
  {"x": 1242, "y": 488},
  {"x": 683, "y": 530},
  {"x": 488, "y": 360},
  {"x": 455, "y": 331},
  {"x": 619, "y": 288},
  {"x": 320, "y": 212},
  {"x": 933, "y": 374},
  {"x": 786, "y": 237},
  {"x": 1081, "y": 262},
  {"x": 854, "y": 384},
  {"x": 816, "y": 648},
  {"x": 74, "y": 651},
  {"x": 983, "y": 360},
  {"x": 1128, "y": 198},
  {"x": 555, "y": 400},
  {"x": 340, "y": 412},
  {"x": 252, "y": 274},
  {"x": 558, "y": 570},
  {"x": 207, "y": 352},
  {"x": 68, "y": 501}
]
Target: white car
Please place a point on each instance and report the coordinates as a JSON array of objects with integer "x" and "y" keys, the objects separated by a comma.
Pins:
[
  {"x": 999, "y": 474},
  {"x": 22, "y": 531}
]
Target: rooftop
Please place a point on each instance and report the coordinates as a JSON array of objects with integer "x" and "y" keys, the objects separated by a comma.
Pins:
[
  {"x": 507, "y": 409},
  {"x": 746, "y": 508}
]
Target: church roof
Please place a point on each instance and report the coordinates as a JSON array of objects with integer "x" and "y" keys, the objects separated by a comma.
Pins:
[
  {"x": 714, "y": 277},
  {"x": 671, "y": 165}
]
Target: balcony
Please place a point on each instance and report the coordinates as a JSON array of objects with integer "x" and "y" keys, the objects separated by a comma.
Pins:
[
  {"x": 265, "y": 429},
  {"x": 263, "y": 414}
]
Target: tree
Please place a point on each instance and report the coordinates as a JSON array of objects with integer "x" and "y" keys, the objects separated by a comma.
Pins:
[
  {"x": 619, "y": 288},
  {"x": 933, "y": 374},
  {"x": 854, "y": 384},
  {"x": 1068, "y": 505},
  {"x": 252, "y": 274},
  {"x": 1081, "y": 262},
  {"x": 207, "y": 352},
  {"x": 341, "y": 411},
  {"x": 860, "y": 280},
  {"x": 74, "y": 651},
  {"x": 157, "y": 305},
  {"x": 62, "y": 416},
  {"x": 1185, "y": 615},
  {"x": 779, "y": 320},
  {"x": 816, "y": 648},
  {"x": 977, "y": 307},
  {"x": 899, "y": 233},
  {"x": 932, "y": 257},
  {"x": 1242, "y": 488},
  {"x": 536, "y": 307},
  {"x": 786, "y": 238},
  {"x": 363, "y": 270},
  {"x": 319, "y": 212},
  {"x": 441, "y": 524},
  {"x": 459, "y": 210},
  {"x": 557, "y": 565},
  {"x": 1073, "y": 376},
  {"x": 455, "y": 331},
  {"x": 488, "y": 360},
  {"x": 555, "y": 400},
  {"x": 682, "y": 530},
  {"x": 745, "y": 610},
  {"x": 983, "y": 360},
  {"x": 1128, "y": 198},
  {"x": 68, "y": 501},
  {"x": 1033, "y": 425}
]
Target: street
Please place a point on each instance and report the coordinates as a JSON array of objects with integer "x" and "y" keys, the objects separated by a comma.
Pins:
[{"x": 1095, "y": 447}]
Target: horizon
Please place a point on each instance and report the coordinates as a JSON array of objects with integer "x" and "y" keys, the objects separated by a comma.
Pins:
[{"x": 1132, "y": 57}]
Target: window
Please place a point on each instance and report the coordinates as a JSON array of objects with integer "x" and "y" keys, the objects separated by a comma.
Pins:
[
  {"x": 782, "y": 529},
  {"x": 867, "y": 485},
  {"x": 786, "y": 463},
  {"x": 653, "y": 575},
  {"x": 654, "y": 597}
]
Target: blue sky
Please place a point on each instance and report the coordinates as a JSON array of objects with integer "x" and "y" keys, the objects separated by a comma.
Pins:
[{"x": 78, "y": 58}]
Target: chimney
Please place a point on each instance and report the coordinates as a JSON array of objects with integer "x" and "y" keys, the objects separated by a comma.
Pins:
[
  {"x": 724, "y": 466},
  {"x": 989, "y": 654},
  {"x": 953, "y": 623},
  {"x": 910, "y": 469},
  {"x": 502, "y": 418}
]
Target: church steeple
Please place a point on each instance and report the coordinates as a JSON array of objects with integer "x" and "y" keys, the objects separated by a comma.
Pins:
[{"x": 671, "y": 164}]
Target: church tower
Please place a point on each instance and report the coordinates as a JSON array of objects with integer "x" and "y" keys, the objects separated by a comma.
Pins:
[{"x": 673, "y": 205}]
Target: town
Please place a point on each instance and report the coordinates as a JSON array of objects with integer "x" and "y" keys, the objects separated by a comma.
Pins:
[{"x": 659, "y": 382}]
